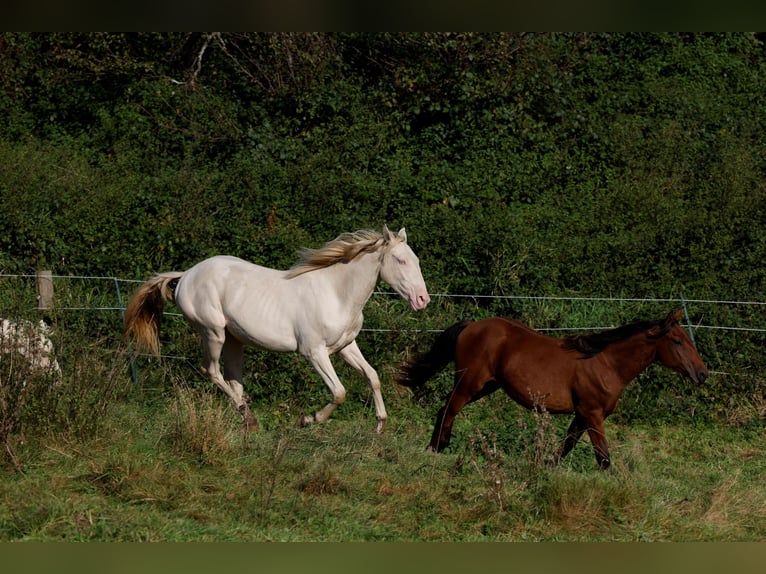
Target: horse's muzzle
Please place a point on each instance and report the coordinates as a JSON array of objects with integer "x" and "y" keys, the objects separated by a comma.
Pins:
[{"x": 420, "y": 301}]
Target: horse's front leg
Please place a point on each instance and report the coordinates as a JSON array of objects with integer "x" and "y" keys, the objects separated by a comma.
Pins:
[
  {"x": 320, "y": 360},
  {"x": 353, "y": 356},
  {"x": 598, "y": 440}
]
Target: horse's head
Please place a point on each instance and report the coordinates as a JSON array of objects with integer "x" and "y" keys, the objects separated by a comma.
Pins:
[
  {"x": 400, "y": 268},
  {"x": 676, "y": 350}
]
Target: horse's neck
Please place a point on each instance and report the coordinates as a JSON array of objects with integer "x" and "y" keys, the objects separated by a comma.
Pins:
[
  {"x": 355, "y": 281},
  {"x": 631, "y": 357}
]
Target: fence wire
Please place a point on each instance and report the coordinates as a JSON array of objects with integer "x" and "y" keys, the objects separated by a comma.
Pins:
[{"x": 116, "y": 281}]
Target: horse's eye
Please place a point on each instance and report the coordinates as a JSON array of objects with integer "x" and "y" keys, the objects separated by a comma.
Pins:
[
  {"x": 400, "y": 261},
  {"x": 677, "y": 342}
]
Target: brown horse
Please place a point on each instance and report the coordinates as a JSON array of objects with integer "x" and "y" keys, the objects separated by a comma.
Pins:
[{"x": 580, "y": 374}]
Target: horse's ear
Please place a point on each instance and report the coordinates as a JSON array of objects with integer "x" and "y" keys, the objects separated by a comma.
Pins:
[
  {"x": 666, "y": 325},
  {"x": 388, "y": 236}
]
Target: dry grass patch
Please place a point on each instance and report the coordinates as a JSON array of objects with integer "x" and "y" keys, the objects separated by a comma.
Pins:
[
  {"x": 748, "y": 410},
  {"x": 203, "y": 427}
]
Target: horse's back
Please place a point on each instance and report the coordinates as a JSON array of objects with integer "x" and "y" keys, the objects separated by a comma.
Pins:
[
  {"x": 227, "y": 273},
  {"x": 229, "y": 265},
  {"x": 528, "y": 364},
  {"x": 495, "y": 331},
  {"x": 250, "y": 300},
  {"x": 485, "y": 344}
]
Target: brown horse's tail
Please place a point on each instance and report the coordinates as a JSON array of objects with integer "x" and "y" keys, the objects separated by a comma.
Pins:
[
  {"x": 142, "y": 317},
  {"x": 415, "y": 372}
]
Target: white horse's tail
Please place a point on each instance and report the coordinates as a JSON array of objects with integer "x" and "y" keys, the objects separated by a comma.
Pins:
[{"x": 144, "y": 311}]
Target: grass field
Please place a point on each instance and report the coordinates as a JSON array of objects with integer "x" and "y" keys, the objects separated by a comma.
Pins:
[{"x": 173, "y": 465}]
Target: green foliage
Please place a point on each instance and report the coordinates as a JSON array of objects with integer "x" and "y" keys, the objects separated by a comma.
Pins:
[{"x": 532, "y": 162}]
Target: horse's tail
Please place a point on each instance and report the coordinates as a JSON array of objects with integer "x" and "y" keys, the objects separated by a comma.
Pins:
[
  {"x": 144, "y": 311},
  {"x": 416, "y": 371}
]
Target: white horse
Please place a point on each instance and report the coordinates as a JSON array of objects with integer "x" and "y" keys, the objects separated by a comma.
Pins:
[
  {"x": 31, "y": 341},
  {"x": 315, "y": 308}
]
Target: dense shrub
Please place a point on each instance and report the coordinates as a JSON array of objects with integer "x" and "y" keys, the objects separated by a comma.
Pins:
[{"x": 536, "y": 164}]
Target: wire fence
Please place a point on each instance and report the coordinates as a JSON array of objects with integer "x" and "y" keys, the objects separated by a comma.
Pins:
[
  {"x": 121, "y": 284},
  {"x": 104, "y": 294}
]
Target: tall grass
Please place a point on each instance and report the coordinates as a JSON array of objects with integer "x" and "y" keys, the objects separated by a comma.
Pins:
[
  {"x": 177, "y": 467},
  {"x": 101, "y": 457},
  {"x": 201, "y": 426}
]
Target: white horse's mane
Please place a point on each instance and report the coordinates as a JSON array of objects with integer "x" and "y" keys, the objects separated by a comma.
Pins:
[{"x": 342, "y": 249}]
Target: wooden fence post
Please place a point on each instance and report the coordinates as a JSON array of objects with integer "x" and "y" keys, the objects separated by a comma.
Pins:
[{"x": 44, "y": 290}]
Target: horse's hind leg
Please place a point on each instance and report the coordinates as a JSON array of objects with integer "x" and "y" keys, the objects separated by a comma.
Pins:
[
  {"x": 575, "y": 431},
  {"x": 594, "y": 424},
  {"x": 440, "y": 438},
  {"x": 353, "y": 357},
  {"x": 215, "y": 341},
  {"x": 320, "y": 360},
  {"x": 442, "y": 430},
  {"x": 465, "y": 391},
  {"x": 233, "y": 359}
]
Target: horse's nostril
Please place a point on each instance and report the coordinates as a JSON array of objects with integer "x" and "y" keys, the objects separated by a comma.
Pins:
[{"x": 702, "y": 376}]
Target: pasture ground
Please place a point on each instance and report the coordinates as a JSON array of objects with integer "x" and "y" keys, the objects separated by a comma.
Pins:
[{"x": 174, "y": 466}]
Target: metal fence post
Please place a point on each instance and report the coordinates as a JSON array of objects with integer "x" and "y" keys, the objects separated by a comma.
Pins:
[
  {"x": 686, "y": 316},
  {"x": 130, "y": 351}
]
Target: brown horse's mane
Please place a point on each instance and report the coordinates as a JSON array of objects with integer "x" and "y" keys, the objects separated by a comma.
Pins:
[
  {"x": 592, "y": 344},
  {"x": 342, "y": 249}
]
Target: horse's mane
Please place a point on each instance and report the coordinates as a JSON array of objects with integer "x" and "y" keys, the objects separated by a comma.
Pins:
[
  {"x": 593, "y": 344},
  {"x": 342, "y": 249}
]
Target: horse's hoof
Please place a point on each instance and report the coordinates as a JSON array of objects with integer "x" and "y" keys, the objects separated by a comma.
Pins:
[
  {"x": 306, "y": 420},
  {"x": 436, "y": 447},
  {"x": 252, "y": 426},
  {"x": 380, "y": 427}
]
